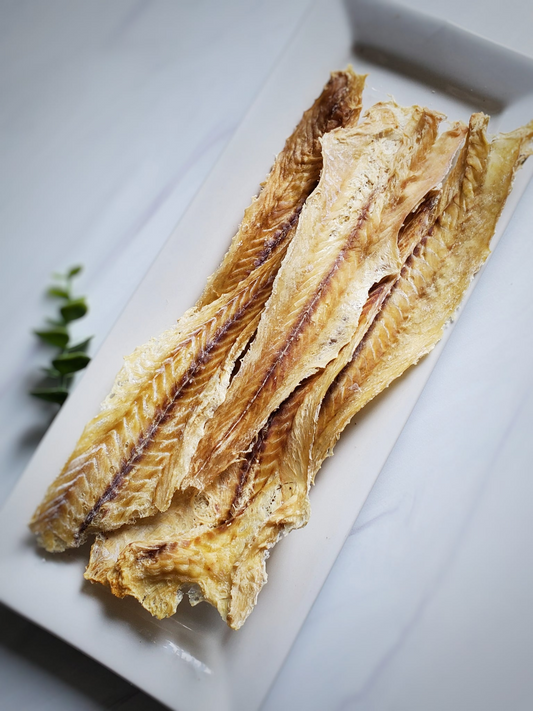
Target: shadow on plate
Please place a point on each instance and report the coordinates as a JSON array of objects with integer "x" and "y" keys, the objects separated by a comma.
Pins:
[{"x": 438, "y": 54}]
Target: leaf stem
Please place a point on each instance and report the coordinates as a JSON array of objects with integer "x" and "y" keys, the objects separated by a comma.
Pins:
[{"x": 68, "y": 359}]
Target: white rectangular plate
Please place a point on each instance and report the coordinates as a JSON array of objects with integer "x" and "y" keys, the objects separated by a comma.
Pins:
[{"x": 193, "y": 662}]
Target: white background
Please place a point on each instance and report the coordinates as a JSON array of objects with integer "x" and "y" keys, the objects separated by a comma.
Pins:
[{"x": 111, "y": 115}]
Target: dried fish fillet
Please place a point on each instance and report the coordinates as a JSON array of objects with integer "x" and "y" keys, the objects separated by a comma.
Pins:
[
  {"x": 342, "y": 246},
  {"x": 222, "y": 558},
  {"x": 129, "y": 459},
  {"x": 432, "y": 282},
  {"x": 110, "y": 563},
  {"x": 267, "y": 492},
  {"x": 214, "y": 432},
  {"x": 293, "y": 177}
]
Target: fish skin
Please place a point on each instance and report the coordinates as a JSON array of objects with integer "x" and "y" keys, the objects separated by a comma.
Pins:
[
  {"x": 157, "y": 376},
  {"x": 322, "y": 286},
  {"x": 267, "y": 465}
]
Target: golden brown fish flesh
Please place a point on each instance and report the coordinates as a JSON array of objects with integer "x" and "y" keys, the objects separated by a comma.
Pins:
[
  {"x": 343, "y": 274},
  {"x": 132, "y": 455},
  {"x": 343, "y": 245},
  {"x": 111, "y": 564},
  {"x": 432, "y": 282},
  {"x": 221, "y": 553}
]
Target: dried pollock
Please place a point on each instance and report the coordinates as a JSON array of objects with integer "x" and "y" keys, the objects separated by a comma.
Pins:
[
  {"x": 343, "y": 245},
  {"x": 431, "y": 284},
  {"x": 344, "y": 272},
  {"x": 132, "y": 456},
  {"x": 218, "y": 540}
]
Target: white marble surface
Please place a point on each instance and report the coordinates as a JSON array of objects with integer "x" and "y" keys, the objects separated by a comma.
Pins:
[{"x": 111, "y": 116}]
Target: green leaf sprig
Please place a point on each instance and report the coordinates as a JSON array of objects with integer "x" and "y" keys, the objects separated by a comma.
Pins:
[{"x": 69, "y": 359}]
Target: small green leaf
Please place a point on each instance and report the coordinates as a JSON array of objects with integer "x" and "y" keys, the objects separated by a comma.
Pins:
[
  {"x": 70, "y": 362},
  {"x": 58, "y": 395},
  {"x": 73, "y": 310},
  {"x": 57, "y": 336},
  {"x": 71, "y": 359},
  {"x": 58, "y": 293},
  {"x": 81, "y": 347}
]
